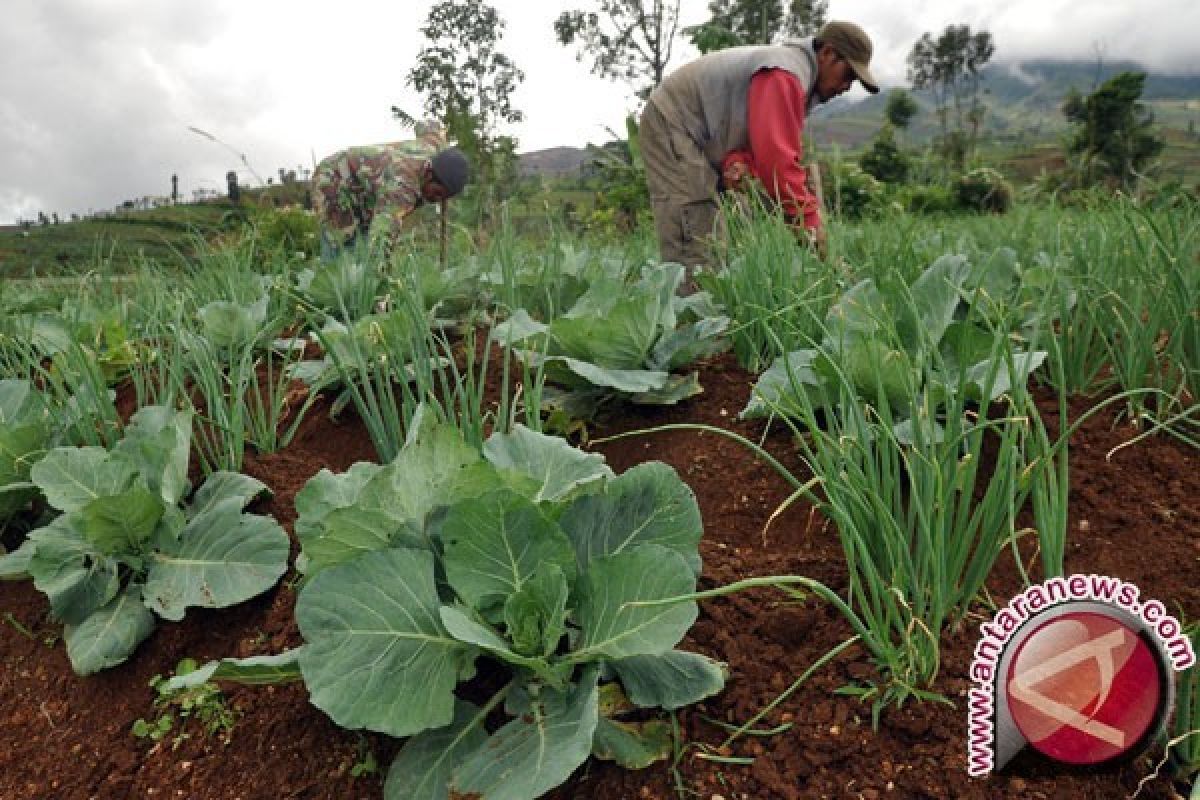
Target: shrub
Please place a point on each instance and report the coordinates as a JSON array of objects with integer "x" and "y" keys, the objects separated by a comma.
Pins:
[
  {"x": 927, "y": 198},
  {"x": 884, "y": 160},
  {"x": 850, "y": 191},
  {"x": 290, "y": 230},
  {"x": 623, "y": 196},
  {"x": 983, "y": 189},
  {"x": 1167, "y": 195}
]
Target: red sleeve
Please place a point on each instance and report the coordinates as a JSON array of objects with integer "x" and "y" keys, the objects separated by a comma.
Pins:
[{"x": 776, "y": 114}]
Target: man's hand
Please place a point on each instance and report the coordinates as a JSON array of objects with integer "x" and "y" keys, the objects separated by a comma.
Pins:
[
  {"x": 818, "y": 242},
  {"x": 735, "y": 176},
  {"x": 811, "y": 238}
]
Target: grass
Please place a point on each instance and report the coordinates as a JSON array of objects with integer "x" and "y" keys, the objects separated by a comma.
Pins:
[{"x": 113, "y": 245}]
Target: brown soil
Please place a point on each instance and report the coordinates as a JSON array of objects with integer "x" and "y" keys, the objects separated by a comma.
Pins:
[{"x": 1134, "y": 515}]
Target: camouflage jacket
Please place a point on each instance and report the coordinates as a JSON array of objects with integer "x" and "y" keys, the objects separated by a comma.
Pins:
[{"x": 369, "y": 190}]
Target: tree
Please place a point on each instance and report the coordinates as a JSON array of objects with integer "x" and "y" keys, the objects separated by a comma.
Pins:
[
  {"x": 621, "y": 173},
  {"x": 467, "y": 82},
  {"x": 628, "y": 40},
  {"x": 900, "y": 108},
  {"x": 925, "y": 71},
  {"x": 949, "y": 67},
  {"x": 884, "y": 160},
  {"x": 740, "y": 22},
  {"x": 1113, "y": 137}
]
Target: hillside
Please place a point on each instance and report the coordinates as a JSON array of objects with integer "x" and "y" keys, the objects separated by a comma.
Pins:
[
  {"x": 1023, "y": 103},
  {"x": 159, "y": 235},
  {"x": 554, "y": 162}
]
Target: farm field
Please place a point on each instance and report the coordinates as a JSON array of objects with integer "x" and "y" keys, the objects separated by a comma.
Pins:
[
  {"x": 927, "y": 365},
  {"x": 121, "y": 239}
]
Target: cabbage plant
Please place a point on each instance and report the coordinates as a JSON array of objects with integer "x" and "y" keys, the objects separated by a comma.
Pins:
[
  {"x": 344, "y": 288},
  {"x": 24, "y": 436},
  {"x": 622, "y": 340},
  {"x": 957, "y": 329},
  {"x": 532, "y": 555},
  {"x": 126, "y": 546}
]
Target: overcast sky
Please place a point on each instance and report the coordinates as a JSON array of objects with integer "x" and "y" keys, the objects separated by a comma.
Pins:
[{"x": 97, "y": 96}]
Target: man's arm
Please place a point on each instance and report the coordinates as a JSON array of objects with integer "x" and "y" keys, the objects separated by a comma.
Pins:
[
  {"x": 399, "y": 192},
  {"x": 334, "y": 202},
  {"x": 776, "y": 117},
  {"x": 397, "y": 200}
]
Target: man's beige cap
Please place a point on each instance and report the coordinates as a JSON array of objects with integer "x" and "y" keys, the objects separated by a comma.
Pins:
[{"x": 852, "y": 44}]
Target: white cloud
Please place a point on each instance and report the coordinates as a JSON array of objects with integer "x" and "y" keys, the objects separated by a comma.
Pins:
[{"x": 96, "y": 96}]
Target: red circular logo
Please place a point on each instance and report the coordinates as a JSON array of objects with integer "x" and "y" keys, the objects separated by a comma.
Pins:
[{"x": 1084, "y": 688}]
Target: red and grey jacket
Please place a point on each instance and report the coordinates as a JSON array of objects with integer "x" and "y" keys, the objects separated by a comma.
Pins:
[{"x": 776, "y": 112}]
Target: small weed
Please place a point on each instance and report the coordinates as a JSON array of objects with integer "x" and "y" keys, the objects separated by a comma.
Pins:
[
  {"x": 561, "y": 423},
  {"x": 366, "y": 763},
  {"x": 49, "y": 639},
  {"x": 203, "y": 703},
  {"x": 679, "y": 750},
  {"x": 154, "y": 731}
]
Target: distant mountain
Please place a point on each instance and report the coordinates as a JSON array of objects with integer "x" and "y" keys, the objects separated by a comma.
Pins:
[
  {"x": 1023, "y": 100},
  {"x": 554, "y": 162},
  {"x": 1047, "y": 78}
]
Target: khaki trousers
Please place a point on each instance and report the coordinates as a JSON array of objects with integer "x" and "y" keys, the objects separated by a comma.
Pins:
[{"x": 683, "y": 191}]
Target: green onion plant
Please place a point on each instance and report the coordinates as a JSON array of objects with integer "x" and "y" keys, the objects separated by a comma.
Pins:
[
  {"x": 393, "y": 363},
  {"x": 80, "y": 405},
  {"x": 237, "y": 376},
  {"x": 922, "y": 510},
  {"x": 772, "y": 286},
  {"x": 1183, "y": 749}
]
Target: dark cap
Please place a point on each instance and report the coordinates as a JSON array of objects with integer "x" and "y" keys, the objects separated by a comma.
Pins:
[
  {"x": 852, "y": 43},
  {"x": 451, "y": 169}
]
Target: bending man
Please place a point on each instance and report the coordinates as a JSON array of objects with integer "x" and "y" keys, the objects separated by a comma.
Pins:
[
  {"x": 751, "y": 102},
  {"x": 364, "y": 193}
]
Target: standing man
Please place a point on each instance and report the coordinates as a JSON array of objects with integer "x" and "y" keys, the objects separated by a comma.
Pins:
[
  {"x": 364, "y": 193},
  {"x": 750, "y": 102}
]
